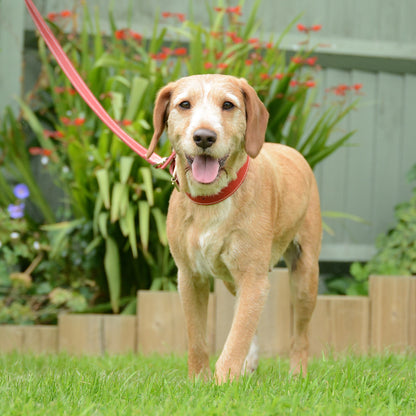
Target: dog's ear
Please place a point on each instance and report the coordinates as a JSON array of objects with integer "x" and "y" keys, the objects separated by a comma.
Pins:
[
  {"x": 257, "y": 117},
  {"x": 160, "y": 116}
]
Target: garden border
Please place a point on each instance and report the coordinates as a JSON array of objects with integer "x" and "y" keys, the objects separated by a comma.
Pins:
[{"x": 386, "y": 319}]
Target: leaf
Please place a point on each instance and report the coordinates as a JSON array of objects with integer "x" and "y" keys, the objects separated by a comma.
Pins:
[
  {"x": 102, "y": 224},
  {"x": 130, "y": 228},
  {"x": 126, "y": 163},
  {"x": 344, "y": 215},
  {"x": 112, "y": 271},
  {"x": 104, "y": 186},
  {"x": 160, "y": 220},
  {"x": 60, "y": 233},
  {"x": 147, "y": 184},
  {"x": 117, "y": 104},
  {"x": 130, "y": 308},
  {"x": 144, "y": 226},
  {"x": 118, "y": 199},
  {"x": 138, "y": 89}
]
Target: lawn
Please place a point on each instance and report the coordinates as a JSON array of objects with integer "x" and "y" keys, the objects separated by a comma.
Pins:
[{"x": 135, "y": 385}]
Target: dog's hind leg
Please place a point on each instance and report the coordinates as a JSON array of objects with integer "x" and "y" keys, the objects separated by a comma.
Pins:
[{"x": 302, "y": 259}]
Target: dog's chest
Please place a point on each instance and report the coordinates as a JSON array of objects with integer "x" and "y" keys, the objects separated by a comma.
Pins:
[{"x": 208, "y": 244}]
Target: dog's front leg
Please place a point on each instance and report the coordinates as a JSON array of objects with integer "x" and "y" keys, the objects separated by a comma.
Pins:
[
  {"x": 194, "y": 294},
  {"x": 252, "y": 294}
]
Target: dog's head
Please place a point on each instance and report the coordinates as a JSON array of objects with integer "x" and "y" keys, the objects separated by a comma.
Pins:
[{"x": 212, "y": 122}]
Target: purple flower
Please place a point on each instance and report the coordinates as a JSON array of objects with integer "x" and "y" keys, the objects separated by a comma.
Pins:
[
  {"x": 21, "y": 191},
  {"x": 16, "y": 211}
]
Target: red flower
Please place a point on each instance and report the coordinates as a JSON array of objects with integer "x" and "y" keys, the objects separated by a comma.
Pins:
[
  {"x": 253, "y": 41},
  {"x": 161, "y": 56},
  {"x": 222, "y": 65},
  {"x": 66, "y": 121},
  {"x": 234, "y": 37},
  {"x": 306, "y": 29},
  {"x": 231, "y": 10},
  {"x": 269, "y": 45},
  {"x": 316, "y": 28},
  {"x": 135, "y": 35},
  {"x": 180, "y": 51},
  {"x": 249, "y": 62},
  {"x": 279, "y": 76},
  {"x": 310, "y": 84},
  {"x": 297, "y": 60},
  {"x": 79, "y": 121},
  {"x": 264, "y": 76},
  {"x": 341, "y": 89},
  {"x": 208, "y": 65},
  {"x": 39, "y": 151},
  {"x": 234, "y": 10},
  {"x": 357, "y": 87},
  {"x": 52, "y": 16},
  {"x": 180, "y": 16},
  {"x": 127, "y": 33},
  {"x": 53, "y": 134},
  {"x": 66, "y": 13},
  {"x": 293, "y": 83},
  {"x": 312, "y": 60},
  {"x": 120, "y": 34},
  {"x": 126, "y": 122}
]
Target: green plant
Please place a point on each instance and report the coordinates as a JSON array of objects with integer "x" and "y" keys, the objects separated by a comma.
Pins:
[
  {"x": 118, "y": 198},
  {"x": 34, "y": 285},
  {"x": 58, "y": 384},
  {"x": 396, "y": 251}
]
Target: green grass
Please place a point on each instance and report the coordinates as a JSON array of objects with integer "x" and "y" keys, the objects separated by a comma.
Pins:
[{"x": 135, "y": 385}]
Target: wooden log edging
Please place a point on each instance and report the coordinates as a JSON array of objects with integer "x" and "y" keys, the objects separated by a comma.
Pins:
[{"x": 384, "y": 319}]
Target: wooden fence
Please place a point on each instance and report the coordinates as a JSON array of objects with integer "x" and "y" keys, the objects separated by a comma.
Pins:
[{"x": 385, "y": 319}]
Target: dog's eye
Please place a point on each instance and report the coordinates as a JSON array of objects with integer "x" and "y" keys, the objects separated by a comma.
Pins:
[
  {"x": 186, "y": 105},
  {"x": 227, "y": 105}
]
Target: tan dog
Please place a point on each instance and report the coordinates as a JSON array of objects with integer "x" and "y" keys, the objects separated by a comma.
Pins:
[{"x": 213, "y": 123}]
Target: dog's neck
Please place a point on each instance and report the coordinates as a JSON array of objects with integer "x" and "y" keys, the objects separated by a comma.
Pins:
[{"x": 225, "y": 192}]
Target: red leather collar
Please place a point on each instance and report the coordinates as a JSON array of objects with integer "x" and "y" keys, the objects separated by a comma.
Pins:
[{"x": 225, "y": 192}]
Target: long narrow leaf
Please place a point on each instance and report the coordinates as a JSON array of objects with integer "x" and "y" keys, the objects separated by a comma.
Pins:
[
  {"x": 160, "y": 220},
  {"x": 138, "y": 89},
  {"x": 104, "y": 186},
  {"x": 131, "y": 229},
  {"x": 112, "y": 271},
  {"x": 126, "y": 163},
  {"x": 147, "y": 184},
  {"x": 144, "y": 226}
]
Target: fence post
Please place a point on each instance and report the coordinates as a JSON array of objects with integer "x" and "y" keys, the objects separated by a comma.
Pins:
[
  {"x": 96, "y": 334},
  {"x": 392, "y": 312},
  {"x": 339, "y": 323}
]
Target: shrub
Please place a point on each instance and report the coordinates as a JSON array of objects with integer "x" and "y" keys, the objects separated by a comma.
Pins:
[{"x": 116, "y": 199}]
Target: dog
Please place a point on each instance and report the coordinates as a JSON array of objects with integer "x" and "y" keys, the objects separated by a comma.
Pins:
[{"x": 216, "y": 125}]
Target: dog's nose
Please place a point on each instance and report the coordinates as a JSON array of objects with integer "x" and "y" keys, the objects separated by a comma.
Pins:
[{"x": 205, "y": 138}]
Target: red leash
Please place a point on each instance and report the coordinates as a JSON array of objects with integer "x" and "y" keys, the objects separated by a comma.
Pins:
[{"x": 86, "y": 94}]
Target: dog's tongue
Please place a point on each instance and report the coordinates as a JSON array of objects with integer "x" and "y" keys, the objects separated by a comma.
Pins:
[{"x": 205, "y": 169}]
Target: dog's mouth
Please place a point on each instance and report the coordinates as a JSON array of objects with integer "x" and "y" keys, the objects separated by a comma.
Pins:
[{"x": 205, "y": 169}]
